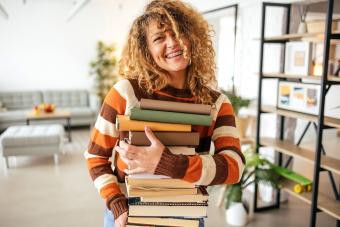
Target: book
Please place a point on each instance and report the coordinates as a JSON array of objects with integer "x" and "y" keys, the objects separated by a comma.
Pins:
[
  {"x": 124, "y": 123},
  {"x": 146, "y": 221},
  {"x": 142, "y": 191},
  {"x": 202, "y": 196},
  {"x": 170, "y": 117},
  {"x": 169, "y": 210},
  {"x": 152, "y": 104},
  {"x": 155, "y": 181},
  {"x": 167, "y": 138}
]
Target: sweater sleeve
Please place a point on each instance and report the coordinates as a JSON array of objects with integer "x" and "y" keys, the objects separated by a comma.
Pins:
[
  {"x": 225, "y": 166},
  {"x": 98, "y": 155}
]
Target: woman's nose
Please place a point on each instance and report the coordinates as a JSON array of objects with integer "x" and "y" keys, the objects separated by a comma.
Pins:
[{"x": 171, "y": 41}]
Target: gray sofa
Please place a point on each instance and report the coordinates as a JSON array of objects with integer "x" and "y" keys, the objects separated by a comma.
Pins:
[{"x": 15, "y": 106}]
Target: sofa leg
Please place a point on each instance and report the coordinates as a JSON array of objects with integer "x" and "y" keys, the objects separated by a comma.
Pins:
[{"x": 56, "y": 159}]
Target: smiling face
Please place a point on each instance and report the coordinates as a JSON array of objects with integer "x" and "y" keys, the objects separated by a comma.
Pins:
[{"x": 166, "y": 50}]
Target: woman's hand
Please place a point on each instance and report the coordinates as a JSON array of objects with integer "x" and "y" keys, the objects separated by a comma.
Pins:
[
  {"x": 121, "y": 220},
  {"x": 141, "y": 159}
]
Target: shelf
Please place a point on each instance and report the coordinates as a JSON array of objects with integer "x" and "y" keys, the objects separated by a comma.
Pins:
[
  {"x": 291, "y": 149},
  {"x": 293, "y": 36},
  {"x": 329, "y": 121},
  {"x": 329, "y": 205},
  {"x": 317, "y": 79}
]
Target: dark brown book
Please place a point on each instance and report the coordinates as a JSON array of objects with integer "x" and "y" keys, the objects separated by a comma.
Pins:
[
  {"x": 151, "y": 104},
  {"x": 167, "y": 138}
]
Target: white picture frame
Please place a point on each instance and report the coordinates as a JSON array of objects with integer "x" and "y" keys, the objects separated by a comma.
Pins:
[
  {"x": 298, "y": 58},
  {"x": 299, "y": 97}
]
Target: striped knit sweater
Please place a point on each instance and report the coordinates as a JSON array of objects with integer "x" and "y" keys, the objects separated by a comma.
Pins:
[{"x": 224, "y": 167}]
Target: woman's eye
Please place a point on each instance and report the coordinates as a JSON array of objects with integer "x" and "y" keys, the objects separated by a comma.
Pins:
[{"x": 157, "y": 39}]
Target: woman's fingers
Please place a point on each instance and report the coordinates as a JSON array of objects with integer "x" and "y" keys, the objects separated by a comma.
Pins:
[
  {"x": 151, "y": 136},
  {"x": 127, "y": 154}
]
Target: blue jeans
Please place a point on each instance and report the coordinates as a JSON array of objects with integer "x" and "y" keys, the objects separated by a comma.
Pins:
[{"x": 110, "y": 222}]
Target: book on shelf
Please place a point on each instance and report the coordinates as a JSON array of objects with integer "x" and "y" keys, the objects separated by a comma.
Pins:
[
  {"x": 193, "y": 210},
  {"x": 161, "y": 221},
  {"x": 152, "y": 104},
  {"x": 156, "y": 181},
  {"x": 202, "y": 196},
  {"x": 124, "y": 123},
  {"x": 170, "y": 117},
  {"x": 167, "y": 138}
]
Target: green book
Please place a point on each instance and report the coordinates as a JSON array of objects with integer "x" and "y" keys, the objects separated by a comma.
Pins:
[{"x": 170, "y": 117}]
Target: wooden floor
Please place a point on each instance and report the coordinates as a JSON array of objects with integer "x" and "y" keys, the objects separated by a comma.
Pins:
[{"x": 36, "y": 193}]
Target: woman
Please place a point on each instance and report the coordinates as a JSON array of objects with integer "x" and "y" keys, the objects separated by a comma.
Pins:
[{"x": 168, "y": 56}]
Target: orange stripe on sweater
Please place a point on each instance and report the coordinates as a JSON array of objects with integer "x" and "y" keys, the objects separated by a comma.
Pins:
[
  {"x": 103, "y": 140},
  {"x": 226, "y": 109},
  {"x": 194, "y": 169},
  {"x": 233, "y": 171},
  {"x": 120, "y": 164},
  {"x": 109, "y": 190},
  {"x": 94, "y": 162},
  {"x": 225, "y": 141},
  {"x": 115, "y": 100}
]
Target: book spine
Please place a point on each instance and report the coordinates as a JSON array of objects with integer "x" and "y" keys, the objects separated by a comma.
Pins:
[
  {"x": 175, "y": 106},
  {"x": 168, "y": 204},
  {"x": 170, "y": 117},
  {"x": 123, "y": 123},
  {"x": 167, "y": 138}
]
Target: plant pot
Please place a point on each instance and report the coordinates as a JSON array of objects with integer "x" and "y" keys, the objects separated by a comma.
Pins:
[
  {"x": 236, "y": 215},
  {"x": 242, "y": 124}
]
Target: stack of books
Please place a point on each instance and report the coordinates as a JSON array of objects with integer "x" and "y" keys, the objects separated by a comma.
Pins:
[{"x": 157, "y": 200}]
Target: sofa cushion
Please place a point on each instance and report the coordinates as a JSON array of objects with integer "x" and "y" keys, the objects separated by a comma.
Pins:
[
  {"x": 13, "y": 115},
  {"x": 31, "y": 135},
  {"x": 20, "y": 100},
  {"x": 67, "y": 98}
]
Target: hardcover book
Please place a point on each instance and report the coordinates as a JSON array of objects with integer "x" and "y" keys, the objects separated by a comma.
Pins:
[
  {"x": 123, "y": 123},
  {"x": 152, "y": 104},
  {"x": 170, "y": 117}
]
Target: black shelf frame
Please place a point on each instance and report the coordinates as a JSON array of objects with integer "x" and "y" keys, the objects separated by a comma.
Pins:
[{"x": 319, "y": 127}]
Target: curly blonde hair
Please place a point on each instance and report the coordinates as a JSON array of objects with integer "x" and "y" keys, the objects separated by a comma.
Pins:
[{"x": 137, "y": 63}]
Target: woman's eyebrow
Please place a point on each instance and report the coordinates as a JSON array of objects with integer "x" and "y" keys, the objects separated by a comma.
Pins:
[{"x": 158, "y": 33}]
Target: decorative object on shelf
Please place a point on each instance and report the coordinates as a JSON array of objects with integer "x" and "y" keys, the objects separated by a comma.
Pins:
[
  {"x": 337, "y": 71},
  {"x": 299, "y": 97},
  {"x": 255, "y": 166},
  {"x": 298, "y": 59},
  {"x": 104, "y": 68},
  {"x": 303, "y": 13},
  {"x": 238, "y": 102}
]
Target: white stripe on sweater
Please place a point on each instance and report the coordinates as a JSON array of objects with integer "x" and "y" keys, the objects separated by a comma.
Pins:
[
  {"x": 125, "y": 89},
  {"x": 103, "y": 180},
  {"x": 225, "y": 131},
  {"x": 106, "y": 127},
  {"x": 208, "y": 170},
  {"x": 87, "y": 155},
  {"x": 221, "y": 99},
  {"x": 237, "y": 158}
]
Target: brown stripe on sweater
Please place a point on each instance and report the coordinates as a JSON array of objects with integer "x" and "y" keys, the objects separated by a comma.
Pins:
[
  {"x": 96, "y": 149},
  {"x": 117, "y": 204},
  {"x": 100, "y": 170},
  {"x": 226, "y": 120},
  {"x": 204, "y": 144},
  {"x": 221, "y": 170},
  {"x": 108, "y": 113},
  {"x": 234, "y": 149},
  {"x": 120, "y": 175},
  {"x": 172, "y": 165}
]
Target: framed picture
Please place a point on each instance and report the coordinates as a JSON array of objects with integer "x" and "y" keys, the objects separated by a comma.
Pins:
[
  {"x": 299, "y": 97},
  {"x": 298, "y": 58}
]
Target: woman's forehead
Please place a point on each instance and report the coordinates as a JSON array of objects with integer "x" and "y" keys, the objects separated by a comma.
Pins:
[{"x": 156, "y": 27}]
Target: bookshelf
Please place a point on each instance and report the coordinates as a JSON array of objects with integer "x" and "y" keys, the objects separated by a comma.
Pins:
[{"x": 329, "y": 204}]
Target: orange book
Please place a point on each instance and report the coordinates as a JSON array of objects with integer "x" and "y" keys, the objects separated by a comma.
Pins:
[{"x": 123, "y": 123}]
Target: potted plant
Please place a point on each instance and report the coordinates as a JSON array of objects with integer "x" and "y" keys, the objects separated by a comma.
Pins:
[
  {"x": 104, "y": 68},
  {"x": 257, "y": 169},
  {"x": 238, "y": 102}
]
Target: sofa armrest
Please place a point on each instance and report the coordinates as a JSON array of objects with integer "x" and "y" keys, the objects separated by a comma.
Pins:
[{"x": 94, "y": 103}]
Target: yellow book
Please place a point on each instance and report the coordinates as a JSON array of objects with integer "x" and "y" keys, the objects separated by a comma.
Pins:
[
  {"x": 123, "y": 123},
  {"x": 162, "y": 221}
]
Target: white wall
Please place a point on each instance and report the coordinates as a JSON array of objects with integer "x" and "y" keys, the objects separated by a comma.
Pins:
[{"x": 40, "y": 50}]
